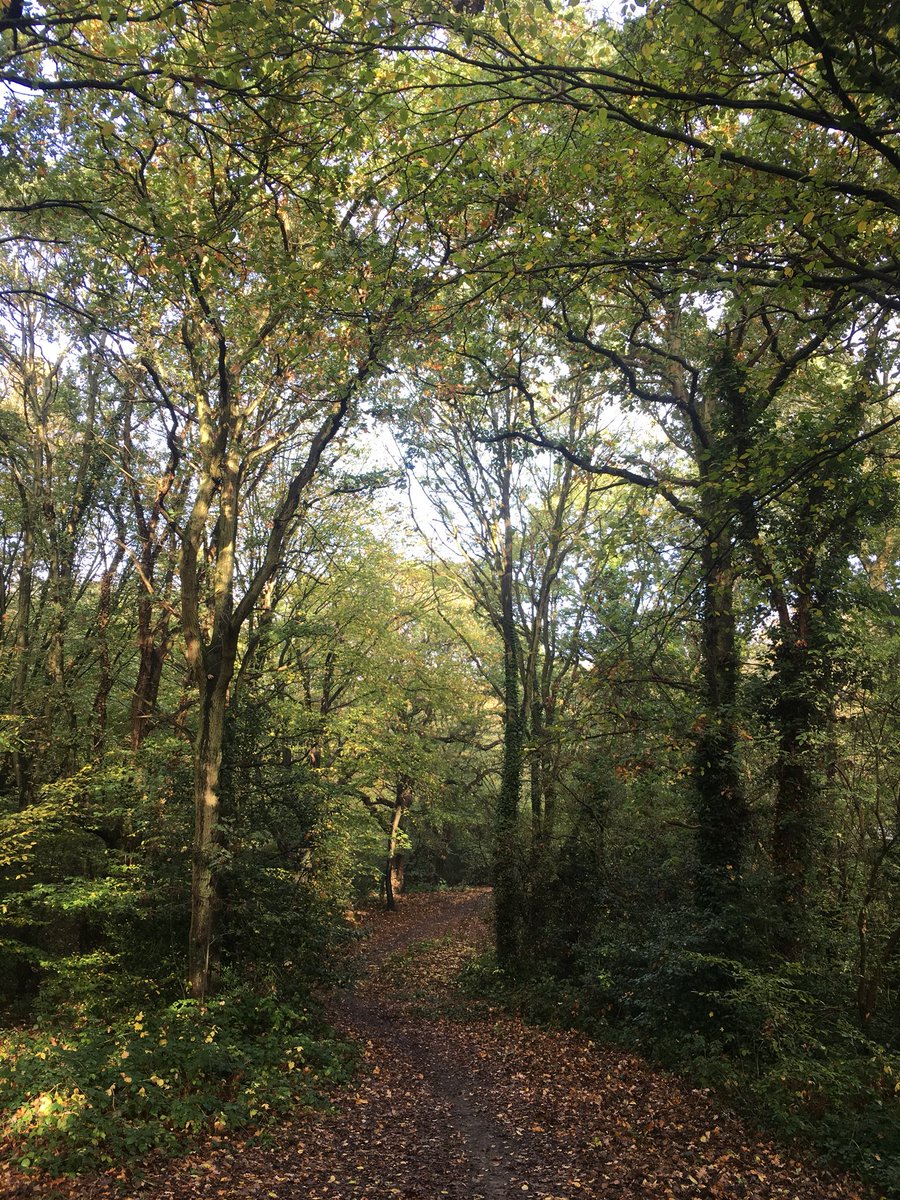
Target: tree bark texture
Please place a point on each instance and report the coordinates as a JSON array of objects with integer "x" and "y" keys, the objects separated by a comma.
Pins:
[{"x": 799, "y": 717}]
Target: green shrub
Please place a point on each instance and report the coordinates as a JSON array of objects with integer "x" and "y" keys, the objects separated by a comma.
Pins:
[
  {"x": 771, "y": 1041},
  {"x": 540, "y": 997},
  {"x": 845, "y": 1101},
  {"x": 107, "y": 1093},
  {"x": 95, "y": 880}
]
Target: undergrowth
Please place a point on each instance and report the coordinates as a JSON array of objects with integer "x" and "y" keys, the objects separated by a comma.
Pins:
[
  {"x": 107, "y": 1093},
  {"x": 765, "y": 1041}
]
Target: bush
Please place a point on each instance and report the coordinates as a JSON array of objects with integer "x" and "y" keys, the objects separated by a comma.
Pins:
[
  {"x": 846, "y": 1102},
  {"x": 95, "y": 883},
  {"x": 107, "y": 1093},
  {"x": 771, "y": 1041}
]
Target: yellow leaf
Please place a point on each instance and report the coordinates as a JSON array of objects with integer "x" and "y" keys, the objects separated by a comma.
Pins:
[{"x": 809, "y": 216}]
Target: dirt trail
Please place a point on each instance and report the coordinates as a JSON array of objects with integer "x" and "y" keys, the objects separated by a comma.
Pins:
[
  {"x": 406, "y": 1051},
  {"x": 482, "y": 1107},
  {"x": 479, "y": 1106}
]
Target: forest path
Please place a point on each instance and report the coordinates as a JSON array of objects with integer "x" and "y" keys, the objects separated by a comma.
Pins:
[{"x": 475, "y": 1105}]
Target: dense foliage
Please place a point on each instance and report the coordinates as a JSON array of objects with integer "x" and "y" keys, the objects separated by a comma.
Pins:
[{"x": 614, "y": 299}]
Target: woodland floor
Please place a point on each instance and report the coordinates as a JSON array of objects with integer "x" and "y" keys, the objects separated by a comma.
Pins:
[{"x": 478, "y": 1106}]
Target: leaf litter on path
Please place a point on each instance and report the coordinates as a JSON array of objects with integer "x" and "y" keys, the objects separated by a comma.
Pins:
[{"x": 476, "y": 1106}]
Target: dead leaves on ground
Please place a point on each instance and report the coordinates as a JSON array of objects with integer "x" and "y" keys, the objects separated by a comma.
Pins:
[{"x": 482, "y": 1109}]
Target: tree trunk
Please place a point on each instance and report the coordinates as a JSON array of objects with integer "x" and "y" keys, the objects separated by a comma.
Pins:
[
  {"x": 799, "y": 720},
  {"x": 213, "y": 664},
  {"x": 212, "y": 619},
  {"x": 205, "y": 888},
  {"x": 154, "y": 639},
  {"x": 535, "y": 777},
  {"x": 508, "y": 899},
  {"x": 722, "y": 814},
  {"x": 395, "y": 866},
  {"x": 104, "y": 683},
  {"x": 152, "y": 657},
  {"x": 721, "y": 806},
  {"x": 21, "y": 762}
]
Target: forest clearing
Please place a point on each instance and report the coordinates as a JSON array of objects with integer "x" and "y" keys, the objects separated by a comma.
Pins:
[{"x": 450, "y": 444}]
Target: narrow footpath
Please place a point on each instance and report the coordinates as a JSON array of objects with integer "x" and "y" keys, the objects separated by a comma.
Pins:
[{"x": 480, "y": 1106}]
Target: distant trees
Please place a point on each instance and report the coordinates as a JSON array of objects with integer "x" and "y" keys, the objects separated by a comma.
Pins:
[
  {"x": 516, "y": 526},
  {"x": 679, "y": 263}
]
